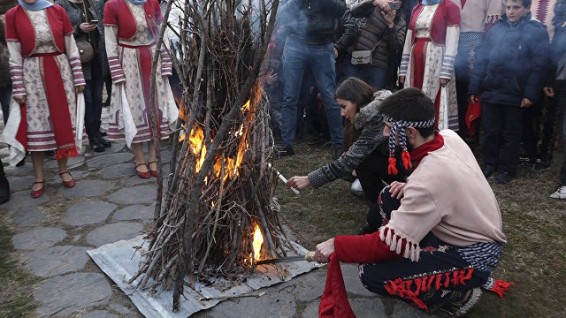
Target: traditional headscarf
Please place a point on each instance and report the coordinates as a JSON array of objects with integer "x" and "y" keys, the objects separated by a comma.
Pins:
[
  {"x": 38, "y": 5},
  {"x": 399, "y": 127},
  {"x": 137, "y": 1}
]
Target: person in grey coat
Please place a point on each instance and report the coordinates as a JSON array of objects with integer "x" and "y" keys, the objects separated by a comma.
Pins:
[{"x": 367, "y": 156}]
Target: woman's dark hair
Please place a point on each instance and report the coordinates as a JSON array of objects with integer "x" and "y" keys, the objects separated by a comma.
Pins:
[
  {"x": 356, "y": 91},
  {"x": 410, "y": 104}
]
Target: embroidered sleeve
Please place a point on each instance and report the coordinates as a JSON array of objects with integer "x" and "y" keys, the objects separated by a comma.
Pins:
[
  {"x": 406, "y": 53},
  {"x": 16, "y": 68},
  {"x": 409, "y": 224},
  {"x": 111, "y": 42},
  {"x": 452, "y": 36},
  {"x": 166, "y": 64},
  {"x": 74, "y": 60}
]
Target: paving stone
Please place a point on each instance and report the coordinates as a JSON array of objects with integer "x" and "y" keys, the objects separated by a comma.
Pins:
[
  {"x": 362, "y": 307},
  {"x": 114, "y": 232},
  {"x": 38, "y": 238},
  {"x": 352, "y": 281},
  {"x": 134, "y": 212},
  {"x": 87, "y": 188},
  {"x": 134, "y": 195},
  {"x": 118, "y": 171},
  {"x": 72, "y": 163},
  {"x": 20, "y": 183},
  {"x": 404, "y": 310},
  {"x": 107, "y": 160},
  {"x": 88, "y": 212},
  {"x": 22, "y": 200},
  {"x": 134, "y": 180},
  {"x": 120, "y": 309},
  {"x": 270, "y": 304},
  {"x": 25, "y": 170},
  {"x": 64, "y": 295},
  {"x": 100, "y": 314},
  {"x": 306, "y": 287},
  {"x": 31, "y": 216},
  {"x": 57, "y": 260}
]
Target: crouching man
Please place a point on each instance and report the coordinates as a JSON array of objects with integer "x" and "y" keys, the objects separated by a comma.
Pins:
[{"x": 442, "y": 236}]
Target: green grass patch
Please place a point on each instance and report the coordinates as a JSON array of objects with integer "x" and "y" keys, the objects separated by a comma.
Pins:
[{"x": 16, "y": 284}]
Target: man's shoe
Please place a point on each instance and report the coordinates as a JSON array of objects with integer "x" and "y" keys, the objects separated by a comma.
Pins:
[
  {"x": 488, "y": 170},
  {"x": 285, "y": 150},
  {"x": 503, "y": 177},
  {"x": 560, "y": 193},
  {"x": 462, "y": 302}
]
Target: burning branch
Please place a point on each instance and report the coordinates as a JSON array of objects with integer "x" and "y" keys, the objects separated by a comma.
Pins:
[{"x": 217, "y": 207}]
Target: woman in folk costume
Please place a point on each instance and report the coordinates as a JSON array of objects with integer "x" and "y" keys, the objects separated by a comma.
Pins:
[
  {"x": 46, "y": 76},
  {"x": 428, "y": 57},
  {"x": 130, "y": 31}
]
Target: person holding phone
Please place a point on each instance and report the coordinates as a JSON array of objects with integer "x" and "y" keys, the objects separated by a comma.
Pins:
[{"x": 85, "y": 16}]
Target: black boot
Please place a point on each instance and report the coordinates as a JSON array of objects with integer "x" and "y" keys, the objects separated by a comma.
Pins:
[
  {"x": 99, "y": 137},
  {"x": 95, "y": 145}
]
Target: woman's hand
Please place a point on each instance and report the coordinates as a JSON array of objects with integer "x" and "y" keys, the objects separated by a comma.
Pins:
[
  {"x": 383, "y": 5},
  {"x": 79, "y": 89},
  {"x": 324, "y": 250},
  {"x": 389, "y": 17},
  {"x": 298, "y": 182},
  {"x": 20, "y": 99},
  {"x": 401, "y": 80},
  {"x": 396, "y": 189},
  {"x": 444, "y": 81},
  {"x": 549, "y": 91},
  {"x": 526, "y": 103},
  {"x": 87, "y": 27}
]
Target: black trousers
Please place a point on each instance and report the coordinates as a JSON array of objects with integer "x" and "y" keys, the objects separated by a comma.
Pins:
[
  {"x": 502, "y": 132},
  {"x": 373, "y": 177}
]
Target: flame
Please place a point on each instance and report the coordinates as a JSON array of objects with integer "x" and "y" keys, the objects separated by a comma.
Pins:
[{"x": 257, "y": 242}]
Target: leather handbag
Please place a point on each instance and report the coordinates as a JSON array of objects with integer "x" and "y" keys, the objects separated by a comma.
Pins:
[{"x": 86, "y": 50}]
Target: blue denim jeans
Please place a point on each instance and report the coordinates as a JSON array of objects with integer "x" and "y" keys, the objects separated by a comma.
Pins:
[
  {"x": 370, "y": 74},
  {"x": 298, "y": 56}
]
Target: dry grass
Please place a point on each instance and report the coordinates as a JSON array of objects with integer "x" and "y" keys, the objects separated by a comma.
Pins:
[{"x": 534, "y": 258}]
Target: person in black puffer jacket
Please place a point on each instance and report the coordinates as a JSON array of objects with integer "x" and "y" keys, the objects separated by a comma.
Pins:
[
  {"x": 368, "y": 155},
  {"x": 509, "y": 73}
]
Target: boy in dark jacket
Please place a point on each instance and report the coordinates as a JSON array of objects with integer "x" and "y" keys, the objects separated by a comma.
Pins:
[{"x": 509, "y": 73}]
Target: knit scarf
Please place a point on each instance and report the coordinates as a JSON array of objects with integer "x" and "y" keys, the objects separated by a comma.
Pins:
[{"x": 38, "y": 5}]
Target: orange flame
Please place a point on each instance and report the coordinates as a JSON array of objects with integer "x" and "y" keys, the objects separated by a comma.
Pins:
[{"x": 257, "y": 242}]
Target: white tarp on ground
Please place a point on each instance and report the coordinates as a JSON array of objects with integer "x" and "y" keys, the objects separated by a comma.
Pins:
[{"x": 121, "y": 260}]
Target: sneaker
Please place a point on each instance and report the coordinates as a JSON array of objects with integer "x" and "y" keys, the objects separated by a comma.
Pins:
[
  {"x": 488, "y": 170},
  {"x": 526, "y": 161},
  {"x": 285, "y": 150},
  {"x": 541, "y": 165},
  {"x": 463, "y": 302},
  {"x": 357, "y": 188},
  {"x": 560, "y": 193},
  {"x": 503, "y": 177}
]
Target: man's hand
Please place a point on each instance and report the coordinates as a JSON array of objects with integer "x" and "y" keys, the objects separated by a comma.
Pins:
[
  {"x": 324, "y": 250},
  {"x": 396, "y": 189},
  {"x": 526, "y": 103},
  {"x": 549, "y": 91},
  {"x": 298, "y": 182},
  {"x": 87, "y": 27},
  {"x": 20, "y": 99},
  {"x": 401, "y": 80},
  {"x": 79, "y": 89},
  {"x": 444, "y": 81}
]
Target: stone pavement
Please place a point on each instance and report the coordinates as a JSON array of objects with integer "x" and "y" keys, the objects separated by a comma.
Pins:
[{"x": 110, "y": 203}]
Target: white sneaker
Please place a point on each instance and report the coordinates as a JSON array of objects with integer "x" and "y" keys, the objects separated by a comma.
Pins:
[
  {"x": 560, "y": 193},
  {"x": 357, "y": 188}
]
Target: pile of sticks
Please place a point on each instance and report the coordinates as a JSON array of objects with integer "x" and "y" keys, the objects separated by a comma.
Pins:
[{"x": 220, "y": 185}]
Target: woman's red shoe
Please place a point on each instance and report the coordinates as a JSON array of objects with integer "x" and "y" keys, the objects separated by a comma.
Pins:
[
  {"x": 69, "y": 183},
  {"x": 153, "y": 172},
  {"x": 142, "y": 174},
  {"x": 39, "y": 192}
]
